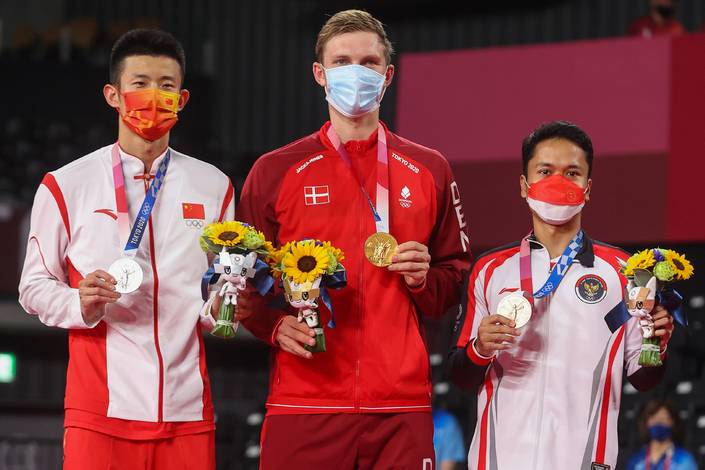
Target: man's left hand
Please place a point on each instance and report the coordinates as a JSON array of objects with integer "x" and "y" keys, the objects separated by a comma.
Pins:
[
  {"x": 244, "y": 304},
  {"x": 412, "y": 261},
  {"x": 663, "y": 325}
]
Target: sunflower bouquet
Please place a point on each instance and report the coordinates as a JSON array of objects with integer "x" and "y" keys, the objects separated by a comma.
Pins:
[
  {"x": 307, "y": 269},
  {"x": 240, "y": 249},
  {"x": 650, "y": 273}
]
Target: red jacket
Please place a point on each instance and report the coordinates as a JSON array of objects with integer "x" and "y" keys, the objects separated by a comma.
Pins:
[{"x": 376, "y": 358}]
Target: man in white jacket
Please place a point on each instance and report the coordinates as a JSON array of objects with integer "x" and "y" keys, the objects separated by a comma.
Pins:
[{"x": 113, "y": 256}]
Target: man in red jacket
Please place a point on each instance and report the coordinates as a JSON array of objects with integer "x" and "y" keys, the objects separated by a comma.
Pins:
[{"x": 366, "y": 401}]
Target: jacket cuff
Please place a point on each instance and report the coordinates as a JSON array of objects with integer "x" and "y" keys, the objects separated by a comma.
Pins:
[
  {"x": 273, "y": 339},
  {"x": 417, "y": 289},
  {"x": 77, "y": 316},
  {"x": 475, "y": 356}
]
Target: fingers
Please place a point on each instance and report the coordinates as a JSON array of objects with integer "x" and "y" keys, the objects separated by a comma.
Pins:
[
  {"x": 99, "y": 291},
  {"x": 498, "y": 338},
  {"x": 496, "y": 333},
  {"x": 664, "y": 322},
  {"x": 292, "y": 335},
  {"x": 659, "y": 312},
  {"x": 98, "y": 278},
  {"x": 411, "y": 251},
  {"x": 408, "y": 267},
  {"x": 97, "y": 300},
  {"x": 496, "y": 318},
  {"x": 292, "y": 347}
]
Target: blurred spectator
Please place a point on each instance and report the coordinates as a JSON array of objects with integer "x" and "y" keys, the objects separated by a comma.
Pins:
[
  {"x": 447, "y": 440},
  {"x": 660, "y": 427},
  {"x": 659, "y": 21}
]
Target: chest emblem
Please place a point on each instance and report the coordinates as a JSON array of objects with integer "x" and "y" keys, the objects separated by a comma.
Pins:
[
  {"x": 194, "y": 214},
  {"x": 316, "y": 195},
  {"x": 591, "y": 289},
  {"x": 405, "y": 199}
]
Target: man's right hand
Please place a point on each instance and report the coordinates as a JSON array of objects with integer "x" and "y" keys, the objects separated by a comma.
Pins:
[
  {"x": 494, "y": 334},
  {"x": 292, "y": 336},
  {"x": 96, "y": 290}
]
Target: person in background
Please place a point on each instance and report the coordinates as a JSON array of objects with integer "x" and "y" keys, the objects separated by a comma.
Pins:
[
  {"x": 447, "y": 439},
  {"x": 660, "y": 427},
  {"x": 659, "y": 21}
]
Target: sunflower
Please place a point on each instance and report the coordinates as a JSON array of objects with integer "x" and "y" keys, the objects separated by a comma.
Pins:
[
  {"x": 680, "y": 265},
  {"x": 274, "y": 258},
  {"x": 641, "y": 260},
  {"x": 228, "y": 233},
  {"x": 305, "y": 261}
]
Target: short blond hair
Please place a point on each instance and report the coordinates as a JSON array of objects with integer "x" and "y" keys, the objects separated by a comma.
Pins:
[{"x": 350, "y": 21}]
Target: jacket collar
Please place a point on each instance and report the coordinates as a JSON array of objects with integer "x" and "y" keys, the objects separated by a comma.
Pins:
[{"x": 586, "y": 255}]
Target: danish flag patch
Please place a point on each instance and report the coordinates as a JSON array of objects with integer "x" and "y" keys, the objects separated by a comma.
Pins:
[{"x": 316, "y": 195}]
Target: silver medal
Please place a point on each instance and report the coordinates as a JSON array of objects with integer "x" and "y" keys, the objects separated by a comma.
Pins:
[
  {"x": 128, "y": 275},
  {"x": 515, "y": 307}
]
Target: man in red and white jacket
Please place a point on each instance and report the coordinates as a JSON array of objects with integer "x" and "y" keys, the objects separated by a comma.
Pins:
[
  {"x": 137, "y": 392},
  {"x": 366, "y": 401},
  {"x": 549, "y": 388}
]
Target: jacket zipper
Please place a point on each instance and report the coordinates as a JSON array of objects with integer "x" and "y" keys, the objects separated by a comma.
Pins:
[
  {"x": 361, "y": 306},
  {"x": 160, "y": 410}
]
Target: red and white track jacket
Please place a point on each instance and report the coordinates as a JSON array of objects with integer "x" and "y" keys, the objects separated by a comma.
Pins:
[
  {"x": 551, "y": 400},
  {"x": 377, "y": 359},
  {"x": 139, "y": 372}
]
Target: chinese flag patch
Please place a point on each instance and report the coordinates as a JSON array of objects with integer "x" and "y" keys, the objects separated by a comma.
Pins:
[{"x": 193, "y": 211}]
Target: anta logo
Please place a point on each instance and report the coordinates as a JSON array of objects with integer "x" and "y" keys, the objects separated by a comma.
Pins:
[
  {"x": 194, "y": 214},
  {"x": 507, "y": 289},
  {"x": 316, "y": 195},
  {"x": 405, "y": 200},
  {"x": 107, "y": 212}
]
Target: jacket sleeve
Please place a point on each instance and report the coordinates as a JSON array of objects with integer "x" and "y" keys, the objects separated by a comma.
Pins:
[
  {"x": 257, "y": 207},
  {"x": 449, "y": 249},
  {"x": 642, "y": 378},
  {"x": 44, "y": 284},
  {"x": 467, "y": 367}
]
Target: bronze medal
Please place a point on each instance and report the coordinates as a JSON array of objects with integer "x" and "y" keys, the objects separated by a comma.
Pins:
[{"x": 379, "y": 249}]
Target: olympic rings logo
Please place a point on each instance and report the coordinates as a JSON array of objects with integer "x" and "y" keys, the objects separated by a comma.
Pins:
[{"x": 195, "y": 223}]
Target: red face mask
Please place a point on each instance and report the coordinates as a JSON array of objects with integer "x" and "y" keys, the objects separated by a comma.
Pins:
[
  {"x": 556, "y": 199},
  {"x": 150, "y": 113}
]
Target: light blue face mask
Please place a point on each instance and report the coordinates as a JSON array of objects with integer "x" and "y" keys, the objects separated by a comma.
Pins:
[{"x": 354, "y": 90}]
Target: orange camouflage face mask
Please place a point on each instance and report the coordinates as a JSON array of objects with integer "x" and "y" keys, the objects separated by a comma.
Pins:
[{"x": 150, "y": 113}]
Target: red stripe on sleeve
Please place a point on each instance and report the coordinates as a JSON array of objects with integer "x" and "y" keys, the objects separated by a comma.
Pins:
[
  {"x": 226, "y": 200},
  {"x": 50, "y": 182},
  {"x": 475, "y": 358},
  {"x": 500, "y": 257},
  {"x": 604, "y": 410}
]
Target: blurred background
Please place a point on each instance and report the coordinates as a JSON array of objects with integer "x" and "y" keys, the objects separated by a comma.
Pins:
[{"x": 472, "y": 80}]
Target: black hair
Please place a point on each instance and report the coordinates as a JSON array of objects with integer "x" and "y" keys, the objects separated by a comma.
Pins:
[
  {"x": 152, "y": 42},
  {"x": 556, "y": 130}
]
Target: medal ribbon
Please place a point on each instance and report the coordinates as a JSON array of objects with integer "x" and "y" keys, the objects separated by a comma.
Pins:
[
  {"x": 666, "y": 463},
  {"x": 132, "y": 238},
  {"x": 557, "y": 273},
  {"x": 381, "y": 211}
]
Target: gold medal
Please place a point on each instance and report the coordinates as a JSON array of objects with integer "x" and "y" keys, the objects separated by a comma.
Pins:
[{"x": 379, "y": 249}]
